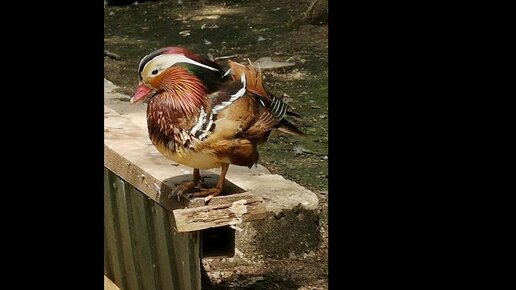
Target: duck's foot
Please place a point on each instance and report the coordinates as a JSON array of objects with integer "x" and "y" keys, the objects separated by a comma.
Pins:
[{"x": 209, "y": 193}]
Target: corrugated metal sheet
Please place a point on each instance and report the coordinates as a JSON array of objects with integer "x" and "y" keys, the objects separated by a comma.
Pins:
[{"x": 141, "y": 249}]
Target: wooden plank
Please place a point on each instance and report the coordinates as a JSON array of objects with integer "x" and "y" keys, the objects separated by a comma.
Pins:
[
  {"x": 113, "y": 245},
  {"x": 182, "y": 259},
  {"x": 194, "y": 241},
  {"x": 129, "y": 153},
  {"x": 175, "y": 256},
  {"x": 107, "y": 265},
  {"x": 160, "y": 228},
  {"x": 245, "y": 207},
  {"x": 186, "y": 257},
  {"x": 169, "y": 233},
  {"x": 141, "y": 241},
  {"x": 109, "y": 285},
  {"x": 221, "y": 199},
  {"x": 125, "y": 229}
]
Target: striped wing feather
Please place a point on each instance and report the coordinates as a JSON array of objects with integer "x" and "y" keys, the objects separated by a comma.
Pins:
[
  {"x": 273, "y": 109},
  {"x": 240, "y": 115}
]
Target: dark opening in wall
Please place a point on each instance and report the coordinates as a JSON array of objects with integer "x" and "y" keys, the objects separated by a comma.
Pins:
[{"x": 218, "y": 242}]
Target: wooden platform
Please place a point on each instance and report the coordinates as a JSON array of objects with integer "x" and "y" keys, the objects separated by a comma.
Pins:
[
  {"x": 152, "y": 239},
  {"x": 129, "y": 154}
]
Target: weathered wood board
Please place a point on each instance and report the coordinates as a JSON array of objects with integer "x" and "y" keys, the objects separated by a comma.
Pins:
[
  {"x": 142, "y": 249},
  {"x": 236, "y": 209},
  {"x": 152, "y": 240}
]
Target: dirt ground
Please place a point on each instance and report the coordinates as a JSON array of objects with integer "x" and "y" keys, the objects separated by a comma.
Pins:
[{"x": 242, "y": 30}]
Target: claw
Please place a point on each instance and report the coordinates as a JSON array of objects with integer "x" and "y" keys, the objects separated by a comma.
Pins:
[
  {"x": 179, "y": 190},
  {"x": 209, "y": 193},
  {"x": 175, "y": 192},
  {"x": 188, "y": 196}
]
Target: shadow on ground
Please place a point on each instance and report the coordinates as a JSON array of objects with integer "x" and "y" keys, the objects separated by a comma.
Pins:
[{"x": 265, "y": 281}]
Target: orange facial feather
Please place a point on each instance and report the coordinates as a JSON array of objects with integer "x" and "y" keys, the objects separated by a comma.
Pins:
[{"x": 186, "y": 92}]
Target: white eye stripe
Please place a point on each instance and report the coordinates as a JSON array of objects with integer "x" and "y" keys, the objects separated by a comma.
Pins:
[{"x": 164, "y": 61}]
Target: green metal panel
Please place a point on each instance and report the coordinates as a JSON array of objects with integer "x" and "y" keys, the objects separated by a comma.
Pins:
[{"x": 142, "y": 251}]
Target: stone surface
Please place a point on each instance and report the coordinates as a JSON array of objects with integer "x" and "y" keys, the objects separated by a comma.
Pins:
[
  {"x": 265, "y": 63},
  {"x": 279, "y": 194}
]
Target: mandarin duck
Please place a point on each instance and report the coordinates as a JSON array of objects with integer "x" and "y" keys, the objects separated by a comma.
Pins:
[{"x": 203, "y": 116}]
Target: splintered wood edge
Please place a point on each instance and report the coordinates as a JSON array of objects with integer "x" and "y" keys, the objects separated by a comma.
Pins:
[
  {"x": 231, "y": 211},
  {"x": 137, "y": 177},
  {"x": 221, "y": 199}
]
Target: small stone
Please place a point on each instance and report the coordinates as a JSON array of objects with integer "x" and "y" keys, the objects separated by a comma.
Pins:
[
  {"x": 184, "y": 33},
  {"x": 309, "y": 254},
  {"x": 297, "y": 75},
  {"x": 204, "y": 17},
  {"x": 292, "y": 255}
]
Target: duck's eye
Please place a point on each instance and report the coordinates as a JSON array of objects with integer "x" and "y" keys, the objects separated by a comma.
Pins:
[{"x": 154, "y": 71}]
